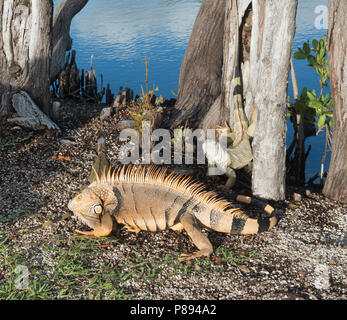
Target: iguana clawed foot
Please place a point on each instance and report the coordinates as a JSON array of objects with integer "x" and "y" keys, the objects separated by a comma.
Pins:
[
  {"x": 194, "y": 255},
  {"x": 84, "y": 233},
  {"x": 136, "y": 230}
]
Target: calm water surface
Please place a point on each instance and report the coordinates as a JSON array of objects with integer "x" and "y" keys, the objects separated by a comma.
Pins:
[{"x": 120, "y": 33}]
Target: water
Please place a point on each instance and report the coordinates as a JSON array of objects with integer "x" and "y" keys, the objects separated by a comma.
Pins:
[{"x": 120, "y": 34}]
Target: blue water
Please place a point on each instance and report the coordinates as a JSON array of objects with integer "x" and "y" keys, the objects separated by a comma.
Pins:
[{"x": 120, "y": 34}]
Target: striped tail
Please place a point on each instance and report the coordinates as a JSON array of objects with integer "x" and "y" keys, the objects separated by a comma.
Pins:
[{"x": 248, "y": 225}]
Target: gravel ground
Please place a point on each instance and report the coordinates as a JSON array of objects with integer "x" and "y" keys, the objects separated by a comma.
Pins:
[{"x": 304, "y": 257}]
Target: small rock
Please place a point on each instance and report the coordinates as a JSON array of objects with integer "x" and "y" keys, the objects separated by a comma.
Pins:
[
  {"x": 16, "y": 128},
  {"x": 67, "y": 142},
  {"x": 308, "y": 193},
  {"x": 297, "y": 197},
  {"x": 105, "y": 113}
]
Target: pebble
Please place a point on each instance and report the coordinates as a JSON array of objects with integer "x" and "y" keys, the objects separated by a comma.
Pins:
[
  {"x": 105, "y": 113},
  {"x": 67, "y": 142}
]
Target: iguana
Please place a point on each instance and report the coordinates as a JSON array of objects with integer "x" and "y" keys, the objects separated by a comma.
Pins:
[
  {"x": 150, "y": 199},
  {"x": 236, "y": 152}
]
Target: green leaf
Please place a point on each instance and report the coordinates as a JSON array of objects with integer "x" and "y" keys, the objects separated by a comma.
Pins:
[
  {"x": 307, "y": 48},
  {"x": 299, "y": 55},
  {"x": 321, "y": 121},
  {"x": 315, "y": 44},
  {"x": 311, "y": 95},
  {"x": 311, "y": 60},
  {"x": 321, "y": 44},
  {"x": 317, "y": 105}
]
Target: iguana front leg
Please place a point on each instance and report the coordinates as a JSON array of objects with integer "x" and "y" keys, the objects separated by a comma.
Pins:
[
  {"x": 102, "y": 230},
  {"x": 231, "y": 179},
  {"x": 204, "y": 245}
]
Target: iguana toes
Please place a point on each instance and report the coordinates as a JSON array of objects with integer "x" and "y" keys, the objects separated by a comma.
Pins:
[{"x": 147, "y": 198}]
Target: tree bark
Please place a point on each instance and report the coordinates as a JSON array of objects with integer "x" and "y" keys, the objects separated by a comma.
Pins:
[
  {"x": 201, "y": 70},
  {"x": 336, "y": 182},
  {"x": 25, "y": 49},
  {"x": 61, "y": 40},
  {"x": 27, "y": 62},
  {"x": 222, "y": 108},
  {"x": 273, "y": 31}
]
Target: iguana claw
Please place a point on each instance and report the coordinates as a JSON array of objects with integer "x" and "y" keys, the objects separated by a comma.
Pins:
[{"x": 84, "y": 233}]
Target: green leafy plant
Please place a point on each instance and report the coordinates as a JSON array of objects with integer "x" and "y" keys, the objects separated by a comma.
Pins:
[
  {"x": 318, "y": 59},
  {"x": 313, "y": 107}
]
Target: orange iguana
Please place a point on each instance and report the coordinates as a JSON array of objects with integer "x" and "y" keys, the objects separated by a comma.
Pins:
[{"x": 150, "y": 199}]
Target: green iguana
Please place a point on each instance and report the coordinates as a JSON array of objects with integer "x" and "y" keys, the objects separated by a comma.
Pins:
[
  {"x": 237, "y": 151},
  {"x": 150, "y": 199}
]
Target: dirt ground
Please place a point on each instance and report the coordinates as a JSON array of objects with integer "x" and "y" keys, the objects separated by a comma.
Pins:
[{"x": 303, "y": 257}]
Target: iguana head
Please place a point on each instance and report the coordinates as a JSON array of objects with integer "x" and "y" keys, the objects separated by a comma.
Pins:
[{"x": 88, "y": 207}]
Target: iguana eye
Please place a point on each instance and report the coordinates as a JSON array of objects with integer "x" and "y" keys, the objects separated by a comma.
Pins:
[{"x": 97, "y": 209}]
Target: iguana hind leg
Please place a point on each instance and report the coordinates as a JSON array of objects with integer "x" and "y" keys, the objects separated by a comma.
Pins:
[
  {"x": 204, "y": 245},
  {"x": 131, "y": 229},
  {"x": 177, "y": 227}
]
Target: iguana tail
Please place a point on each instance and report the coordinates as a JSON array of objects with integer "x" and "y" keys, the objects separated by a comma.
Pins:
[{"x": 263, "y": 222}]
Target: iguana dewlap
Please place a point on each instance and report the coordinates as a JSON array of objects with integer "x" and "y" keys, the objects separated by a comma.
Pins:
[{"x": 149, "y": 199}]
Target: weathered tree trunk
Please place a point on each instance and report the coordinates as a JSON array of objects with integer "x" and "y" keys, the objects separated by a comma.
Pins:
[
  {"x": 336, "y": 182},
  {"x": 26, "y": 39},
  {"x": 25, "y": 49},
  {"x": 61, "y": 40},
  {"x": 201, "y": 69},
  {"x": 273, "y": 30}
]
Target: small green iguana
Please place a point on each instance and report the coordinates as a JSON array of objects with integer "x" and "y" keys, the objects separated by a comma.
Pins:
[{"x": 150, "y": 199}]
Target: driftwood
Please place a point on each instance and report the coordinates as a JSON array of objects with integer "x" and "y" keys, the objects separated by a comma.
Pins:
[{"x": 30, "y": 115}]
